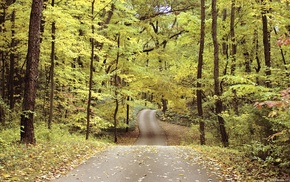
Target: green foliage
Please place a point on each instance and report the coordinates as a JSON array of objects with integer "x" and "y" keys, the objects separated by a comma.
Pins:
[
  {"x": 273, "y": 153},
  {"x": 276, "y": 150},
  {"x": 239, "y": 165}
]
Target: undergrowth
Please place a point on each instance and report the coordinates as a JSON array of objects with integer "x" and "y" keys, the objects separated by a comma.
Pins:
[
  {"x": 239, "y": 165},
  {"x": 55, "y": 152}
]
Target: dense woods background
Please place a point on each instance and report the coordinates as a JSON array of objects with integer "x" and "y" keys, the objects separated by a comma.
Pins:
[{"x": 219, "y": 66}]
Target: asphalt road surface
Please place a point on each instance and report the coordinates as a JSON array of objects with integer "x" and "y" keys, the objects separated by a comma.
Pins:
[
  {"x": 150, "y": 133},
  {"x": 149, "y": 160}
]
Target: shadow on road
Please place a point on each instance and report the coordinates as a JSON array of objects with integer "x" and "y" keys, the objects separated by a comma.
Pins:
[{"x": 150, "y": 132}]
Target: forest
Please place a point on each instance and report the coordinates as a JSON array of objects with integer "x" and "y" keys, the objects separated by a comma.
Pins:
[{"x": 87, "y": 67}]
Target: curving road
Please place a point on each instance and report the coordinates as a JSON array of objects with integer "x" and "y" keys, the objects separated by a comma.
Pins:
[
  {"x": 148, "y": 161},
  {"x": 150, "y": 133}
]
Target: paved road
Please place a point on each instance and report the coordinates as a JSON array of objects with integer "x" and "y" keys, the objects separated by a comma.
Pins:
[
  {"x": 150, "y": 133},
  {"x": 148, "y": 161}
]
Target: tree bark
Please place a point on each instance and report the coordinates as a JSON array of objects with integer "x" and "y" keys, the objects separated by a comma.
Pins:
[
  {"x": 225, "y": 46},
  {"x": 2, "y": 68},
  {"x": 91, "y": 74},
  {"x": 164, "y": 104},
  {"x": 256, "y": 42},
  {"x": 2, "y": 112},
  {"x": 51, "y": 74},
  {"x": 199, "y": 73},
  {"x": 12, "y": 63},
  {"x": 115, "y": 117},
  {"x": 217, "y": 92},
  {"x": 233, "y": 37},
  {"x": 233, "y": 53},
  {"x": 116, "y": 89},
  {"x": 31, "y": 75},
  {"x": 267, "y": 46},
  {"x": 128, "y": 114}
]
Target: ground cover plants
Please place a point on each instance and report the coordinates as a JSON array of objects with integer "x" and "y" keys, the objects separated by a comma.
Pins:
[{"x": 55, "y": 153}]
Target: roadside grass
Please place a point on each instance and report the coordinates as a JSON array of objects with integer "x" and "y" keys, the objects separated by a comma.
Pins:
[
  {"x": 55, "y": 153},
  {"x": 237, "y": 166}
]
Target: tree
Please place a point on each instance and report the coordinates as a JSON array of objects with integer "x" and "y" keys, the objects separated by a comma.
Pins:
[
  {"x": 199, "y": 72},
  {"x": 51, "y": 72},
  {"x": 233, "y": 51},
  {"x": 117, "y": 85},
  {"x": 31, "y": 75},
  {"x": 2, "y": 68},
  {"x": 217, "y": 92},
  {"x": 127, "y": 113},
  {"x": 266, "y": 41},
  {"x": 91, "y": 72},
  {"x": 233, "y": 37},
  {"x": 12, "y": 63}
]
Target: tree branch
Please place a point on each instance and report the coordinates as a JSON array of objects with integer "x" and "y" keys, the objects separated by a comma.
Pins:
[
  {"x": 164, "y": 41},
  {"x": 145, "y": 17}
]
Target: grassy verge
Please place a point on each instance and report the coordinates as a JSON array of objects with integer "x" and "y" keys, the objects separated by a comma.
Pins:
[
  {"x": 56, "y": 152},
  {"x": 236, "y": 166}
]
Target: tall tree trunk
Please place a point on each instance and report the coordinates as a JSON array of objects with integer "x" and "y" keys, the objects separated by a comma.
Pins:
[
  {"x": 233, "y": 53},
  {"x": 91, "y": 73},
  {"x": 233, "y": 37},
  {"x": 2, "y": 112},
  {"x": 225, "y": 46},
  {"x": 256, "y": 42},
  {"x": 199, "y": 73},
  {"x": 12, "y": 63},
  {"x": 51, "y": 73},
  {"x": 2, "y": 69},
  {"x": 164, "y": 102},
  {"x": 99, "y": 45},
  {"x": 127, "y": 114},
  {"x": 267, "y": 46},
  {"x": 116, "y": 89},
  {"x": 217, "y": 92},
  {"x": 115, "y": 117},
  {"x": 31, "y": 75}
]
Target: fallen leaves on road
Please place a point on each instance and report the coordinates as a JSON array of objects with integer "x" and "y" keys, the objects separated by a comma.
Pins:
[{"x": 143, "y": 163}]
